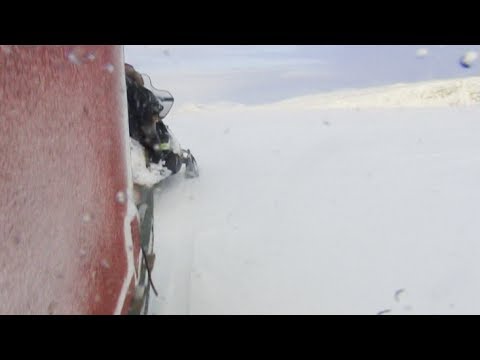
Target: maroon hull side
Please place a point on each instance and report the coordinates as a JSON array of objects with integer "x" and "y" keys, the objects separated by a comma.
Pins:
[{"x": 65, "y": 242}]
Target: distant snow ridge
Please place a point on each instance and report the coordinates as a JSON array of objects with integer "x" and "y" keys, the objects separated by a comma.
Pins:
[
  {"x": 456, "y": 92},
  {"x": 451, "y": 92}
]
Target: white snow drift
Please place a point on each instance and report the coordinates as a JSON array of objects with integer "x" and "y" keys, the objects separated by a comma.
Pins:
[{"x": 358, "y": 202}]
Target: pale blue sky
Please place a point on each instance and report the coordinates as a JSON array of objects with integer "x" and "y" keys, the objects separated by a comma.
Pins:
[{"x": 253, "y": 74}]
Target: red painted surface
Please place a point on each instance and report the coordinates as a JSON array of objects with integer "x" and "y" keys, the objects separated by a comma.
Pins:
[
  {"x": 63, "y": 150},
  {"x": 135, "y": 229}
]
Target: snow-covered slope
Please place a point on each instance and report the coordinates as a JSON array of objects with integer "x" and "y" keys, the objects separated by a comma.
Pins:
[
  {"x": 301, "y": 208},
  {"x": 451, "y": 92},
  {"x": 456, "y": 92}
]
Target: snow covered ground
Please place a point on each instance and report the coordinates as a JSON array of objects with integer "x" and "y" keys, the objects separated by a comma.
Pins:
[{"x": 358, "y": 202}]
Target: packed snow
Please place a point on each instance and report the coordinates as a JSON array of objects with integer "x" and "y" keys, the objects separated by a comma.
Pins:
[
  {"x": 143, "y": 175},
  {"x": 354, "y": 202}
]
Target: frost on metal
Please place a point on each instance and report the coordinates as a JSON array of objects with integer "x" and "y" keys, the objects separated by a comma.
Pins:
[
  {"x": 109, "y": 67},
  {"x": 80, "y": 55},
  {"x": 7, "y": 49},
  {"x": 120, "y": 197},
  {"x": 87, "y": 217}
]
